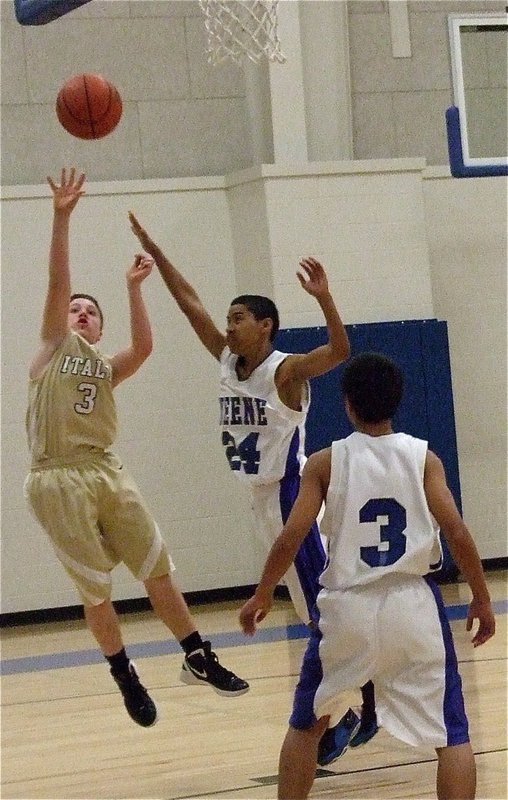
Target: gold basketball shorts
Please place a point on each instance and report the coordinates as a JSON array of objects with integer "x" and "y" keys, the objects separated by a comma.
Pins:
[{"x": 95, "y": 517}]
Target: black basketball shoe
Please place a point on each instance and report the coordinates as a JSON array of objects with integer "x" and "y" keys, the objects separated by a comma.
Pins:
[
  {"x": 202, "y": 666},
  {"x": 138, "y": 702}
]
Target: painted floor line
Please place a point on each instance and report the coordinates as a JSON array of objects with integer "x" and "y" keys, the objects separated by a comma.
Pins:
[{"x": 80, "y": 658}]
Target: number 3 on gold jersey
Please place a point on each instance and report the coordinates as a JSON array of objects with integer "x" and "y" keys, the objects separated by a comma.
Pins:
[{"x": 89, "y": 394}]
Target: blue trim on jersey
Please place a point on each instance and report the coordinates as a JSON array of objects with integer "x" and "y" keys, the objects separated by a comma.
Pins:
[
  {"x": 292, "y": 464},
  {"x": 311, "y": 675},
  {"x": 311, "y": 557},
  {"x": 454, "y": 713}
]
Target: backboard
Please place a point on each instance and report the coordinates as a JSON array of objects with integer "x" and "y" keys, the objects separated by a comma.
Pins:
[{"x": 477, "y": 124}]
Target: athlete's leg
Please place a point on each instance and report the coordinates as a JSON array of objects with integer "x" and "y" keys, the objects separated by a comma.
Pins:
[
  {"x": 89, "y": 560},
  {"x": 309, "y": 564},
  {"x": 369, "y": 725},
  {"x": 298, "y": 759},
  {"x": 170, "y": 606},
  {"x": 456, "y": 772},
  {"x": 201, "y": 665},
  {"x": 133, "y": 534},
  {"x": 102, "y": 621}
]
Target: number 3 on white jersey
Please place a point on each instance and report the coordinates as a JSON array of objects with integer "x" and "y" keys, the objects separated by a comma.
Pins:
[{"x": 391, "y": 533}]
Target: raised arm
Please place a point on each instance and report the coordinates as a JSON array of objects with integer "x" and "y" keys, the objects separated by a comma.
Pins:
[
  {"x": 128, "y": 361},
  {"x": 185, "y": 295},
  {"x": 56, "y": 308},
  {"x": 312, "y": 493},
  {"x": 462, "y": 547},
  {"x": 324, "y": 358}
]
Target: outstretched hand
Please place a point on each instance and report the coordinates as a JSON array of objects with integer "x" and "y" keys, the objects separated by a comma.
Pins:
[
  {"x": 484, "y": 614},
  {"x": 140, "y": 269},
  {"x": 67, "y": 193},
  {"x": 253, "y": 611},
  {"x": 140, "y": 232},
  {"x": 316, "y": 283}
]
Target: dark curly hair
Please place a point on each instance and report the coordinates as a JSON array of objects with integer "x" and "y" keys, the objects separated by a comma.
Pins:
[{"x": 374, "y": 385}]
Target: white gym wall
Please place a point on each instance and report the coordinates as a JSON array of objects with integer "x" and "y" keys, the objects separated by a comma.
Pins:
[{"x": 194, "y": 157}]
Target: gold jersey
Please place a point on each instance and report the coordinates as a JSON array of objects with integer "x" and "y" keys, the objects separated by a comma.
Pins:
[{"x": 71, "y": 412}]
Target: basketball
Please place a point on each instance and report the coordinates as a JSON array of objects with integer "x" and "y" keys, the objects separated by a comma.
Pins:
[{"x": 88, "y": 106}]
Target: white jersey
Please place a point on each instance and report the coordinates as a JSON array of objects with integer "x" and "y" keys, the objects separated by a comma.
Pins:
[
  {"x": 377, "y": 520},
  {"x": 264, "y": 440}
]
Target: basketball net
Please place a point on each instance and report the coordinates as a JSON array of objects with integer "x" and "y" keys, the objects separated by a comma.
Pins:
[{"x": 239, "y": 28}]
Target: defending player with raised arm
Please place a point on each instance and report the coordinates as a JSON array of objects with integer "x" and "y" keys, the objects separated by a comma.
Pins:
[
  {"x": 297, "y": 368},
  {"x": 379, "y": 617},
  {"x": 76, "y": 484},
  {"x": 264, "y": 398}
]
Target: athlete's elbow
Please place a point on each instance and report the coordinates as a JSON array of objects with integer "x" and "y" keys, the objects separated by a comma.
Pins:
[
  {"x": 147, "y": 350},
  {"x": 346, "y": 351},
  {"x": 340, "y": 353},
  {"x": 143, "y": 351},
  {"x": 456, "y": 534}
]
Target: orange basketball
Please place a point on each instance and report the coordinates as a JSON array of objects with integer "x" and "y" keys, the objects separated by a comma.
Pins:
[{"x": 88, "y": 106}]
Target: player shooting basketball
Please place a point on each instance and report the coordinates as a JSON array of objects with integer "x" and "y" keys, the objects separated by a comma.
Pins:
[{"x": 78, "y": 489}]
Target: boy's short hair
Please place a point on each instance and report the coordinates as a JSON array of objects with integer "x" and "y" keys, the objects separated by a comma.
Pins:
[
  {"x": 261, "y": 308},
  {"x": 374, "y": 385},
  {"x": 92, "y": 299}
]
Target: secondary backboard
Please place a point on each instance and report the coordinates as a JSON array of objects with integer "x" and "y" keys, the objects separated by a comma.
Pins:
[{"x": 479, "y": 51}]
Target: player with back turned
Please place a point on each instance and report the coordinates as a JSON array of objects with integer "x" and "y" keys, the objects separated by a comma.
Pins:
[{"x": 379, "y": 615}]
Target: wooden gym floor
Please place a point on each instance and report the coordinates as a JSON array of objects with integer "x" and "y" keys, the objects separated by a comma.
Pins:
[{"x": 65, "y": 733}]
